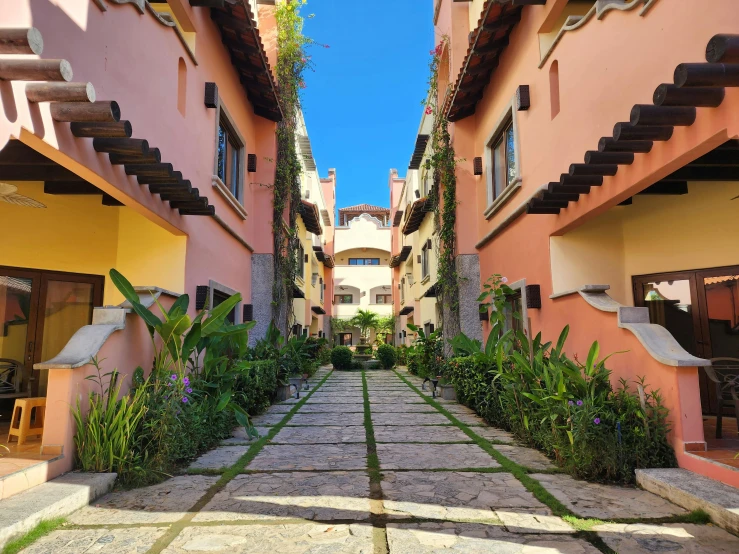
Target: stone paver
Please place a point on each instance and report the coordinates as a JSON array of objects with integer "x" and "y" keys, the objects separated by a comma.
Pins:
[
  {"x": 638, "y": 538},
  {"x": 162, "y": 503},
  {"x": 337, "y": 418},
  {"x": 432, "y": 538},
  {"x": 321, "y": 435},
  {"x": 100, "y": 541},
  {"x": 526, "y": 457},
  {"x": 433, "y": 456},
  {"x": 419, "y": 433},
  {"x": 322, "y": 496},
  {"x": 532, "y": 521},
  {"x": 308, "y": 491},
  {"x": 220, "y": 458},
  {"x": 453, "y": 496},
  {"x": 284, "y": 539},
  {"x": 325, "y": 457},
  {"x": 405, "y": 408},
  {"x": 606, "y": 501},
  {"x": 408, "y": 418},
  {"x": 266, "y": 420},
  {"x": 494, "y": 434},
  {"x": 331, "y": 408}
]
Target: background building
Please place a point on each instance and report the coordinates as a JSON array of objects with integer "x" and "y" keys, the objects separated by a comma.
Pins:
[{"x": 362, "y": 276}]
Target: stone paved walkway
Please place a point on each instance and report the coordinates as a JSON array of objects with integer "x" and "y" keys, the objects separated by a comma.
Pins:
[{"x": 412, "y": 482}]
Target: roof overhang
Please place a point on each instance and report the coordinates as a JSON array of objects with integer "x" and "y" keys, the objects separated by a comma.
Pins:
[
  {"x": 240, "y": 35},
  {"x": 416, "y": 214},
  {"x": 311, "y": 217},
  {"x": 487, "y": 43},
  {"x": 421, "y": 142},
  {"x": 318, "y": 310},
  {"x": 406, "y": 310}
]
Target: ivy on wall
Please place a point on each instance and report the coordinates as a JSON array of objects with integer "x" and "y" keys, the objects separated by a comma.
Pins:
[
  {"x": 444, "y": 165},
  {"x": 292, "y": 62}
]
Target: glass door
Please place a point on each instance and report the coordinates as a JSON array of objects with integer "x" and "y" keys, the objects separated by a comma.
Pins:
[
  {"x": 19, "y": 293},
  {"x": 701, "y": 310},
  {"x": 40, "y": 311}
]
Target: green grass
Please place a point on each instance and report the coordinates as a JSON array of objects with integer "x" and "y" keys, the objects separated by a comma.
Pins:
[
  {"x": 373, "y": 462},
  {"x": 42, "y": 529}
]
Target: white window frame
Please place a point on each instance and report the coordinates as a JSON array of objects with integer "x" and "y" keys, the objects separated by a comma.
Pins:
[
  {"x": 520, "y": 287},
  {"x": 425, "y": 262},
  {"x": 509, "y": 116}
]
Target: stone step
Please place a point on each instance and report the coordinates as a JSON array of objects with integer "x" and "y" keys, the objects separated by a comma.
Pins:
[
  {"x": 56, "y": 498},
  {"x": 693, "y": 491}
]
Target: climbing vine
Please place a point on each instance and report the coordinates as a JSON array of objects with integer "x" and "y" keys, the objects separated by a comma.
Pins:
[
  {"x": 292, "y": 61},
  {"x": 444, "y": 164}
]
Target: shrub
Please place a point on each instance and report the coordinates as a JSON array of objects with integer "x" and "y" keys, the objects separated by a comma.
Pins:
[
  {"x": 341, "y": 357},
  {"x": 402, "y": 352},
  {"x": 386, "y": 355},
  {"x": 564, "y": 407}
]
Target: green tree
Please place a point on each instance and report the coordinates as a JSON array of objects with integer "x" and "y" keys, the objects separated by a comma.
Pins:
[{"x": 365, "y": 320}]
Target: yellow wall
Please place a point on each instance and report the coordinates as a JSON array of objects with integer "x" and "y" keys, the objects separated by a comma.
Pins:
[
  {"x": 655, "y": 234},
  {"x": 80, "y": 235}
]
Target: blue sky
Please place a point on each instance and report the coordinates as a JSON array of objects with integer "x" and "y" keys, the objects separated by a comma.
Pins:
[{"x": 362, "y": 104}]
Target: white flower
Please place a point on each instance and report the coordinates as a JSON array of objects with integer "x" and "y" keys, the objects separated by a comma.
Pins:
[{"x": 504, "y": 280}]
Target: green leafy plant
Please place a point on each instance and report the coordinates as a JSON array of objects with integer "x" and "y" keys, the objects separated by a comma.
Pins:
[
  {"x": 104, "y": 435},
  {"x": 427, "y": 352},
  {"x": 386, "y": 355},
  {"x": 565, "y": 407},
  {"x": 365, "y": 320},
  {"x": 341, "y": 357}
]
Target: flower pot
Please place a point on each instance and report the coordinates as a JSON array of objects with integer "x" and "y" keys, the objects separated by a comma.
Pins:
[
  {"x": 282, "y": 393},
  {"x": 447, "y": 392}
]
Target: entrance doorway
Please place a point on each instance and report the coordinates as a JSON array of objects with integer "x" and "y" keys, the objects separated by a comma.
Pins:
[
  {"x": 701, "y": 310},
  {"x": 39, "y": 313}
]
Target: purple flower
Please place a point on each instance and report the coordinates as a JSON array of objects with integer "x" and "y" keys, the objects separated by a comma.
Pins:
[
  {"x": 184, "y": 399},
  {"x": 188, "y": 390},
  {"x": 570, "y": 402},
  {"x": 579, "y": 402},
  {"x": 186, "y": 381},
  {"x": 169, "y": 384},
  {"x": 596, "y": 421},
  {"x": 504, "y": 279},
  {"x": 173, "y": 377}
]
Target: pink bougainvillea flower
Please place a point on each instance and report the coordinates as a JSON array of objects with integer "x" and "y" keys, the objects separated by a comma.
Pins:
[
  {"x": 429, "y": 110},
  {"x": 432, "y": 52},
  {"x": 439, "y": 49}
]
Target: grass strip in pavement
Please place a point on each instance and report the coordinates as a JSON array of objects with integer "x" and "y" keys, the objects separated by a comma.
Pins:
[
  {"x": 379, "y": 529},
  {"x": 227, "y": 475},
  {"x": 583, "y": 526},
  {"x": 41, "y": 530}
]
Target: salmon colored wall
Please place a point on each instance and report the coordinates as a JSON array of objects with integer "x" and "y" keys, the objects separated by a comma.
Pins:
[
  {"x": 601, "y": 76},
  {"x": 133, "y": 59}
]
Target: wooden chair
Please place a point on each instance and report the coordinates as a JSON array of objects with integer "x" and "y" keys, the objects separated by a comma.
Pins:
[
  {"x": 11, "y": 379},
  {"x": 724, "y": 373}
]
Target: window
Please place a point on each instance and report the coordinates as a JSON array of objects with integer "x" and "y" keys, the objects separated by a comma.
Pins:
[
  {"x": 345, "y": 339},
  {"x": 322, "y": 287},
  {"x": 504, "y": 159},
  {"x": 219, "y": 297},
  {"x": 344, "y": 299},
  {"x": 230, "y": 157},
  {"x": 364, "y": 261},
  {"x": 402, "y": 289},
  {"x": 384, "y": 299},
  {"x": 301, "y": 261},
  {"x": 425, "y": 262},
  {"x": 514, "y": 312}
]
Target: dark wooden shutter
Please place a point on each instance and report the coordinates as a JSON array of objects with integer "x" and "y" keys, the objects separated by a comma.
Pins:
[{"x": 211, "y": 95}]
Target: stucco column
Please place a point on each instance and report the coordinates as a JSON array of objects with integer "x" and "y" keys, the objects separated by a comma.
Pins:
[{"x": 262, "y": 279}]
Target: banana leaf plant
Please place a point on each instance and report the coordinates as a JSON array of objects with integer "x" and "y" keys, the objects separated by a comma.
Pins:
[{"x": 183, "y": 338}]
